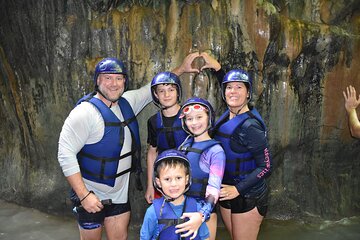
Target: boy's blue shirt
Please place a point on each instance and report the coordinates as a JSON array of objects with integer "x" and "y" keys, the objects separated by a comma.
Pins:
[{"x": 150, "y": 229}]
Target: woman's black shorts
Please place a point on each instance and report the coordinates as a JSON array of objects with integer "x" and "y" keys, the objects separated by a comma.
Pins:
[{"x": 242, "y": 204}]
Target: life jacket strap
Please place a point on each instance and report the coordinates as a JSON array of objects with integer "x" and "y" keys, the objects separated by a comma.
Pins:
[
  {"x": 191, "y": 149},
  {"x": 203, "y": 183},
  {"x": 103, "y": 161},
  {"x": 169, "y": 129},
  {"x": 241, "y": 160},
  {"x": 103, "y": 177},
  {"x": 224, "y": 135},
  {"x": 171, "y": 222},
  {"x": 238, "y": 173}
]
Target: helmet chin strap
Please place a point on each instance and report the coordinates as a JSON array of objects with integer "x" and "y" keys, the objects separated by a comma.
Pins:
[
  {"x": 164, "y": 108},
  {"x": 168, "y": 198},
  {"x": 111, "y": 102},
  {"x": 238, "y": 111}
]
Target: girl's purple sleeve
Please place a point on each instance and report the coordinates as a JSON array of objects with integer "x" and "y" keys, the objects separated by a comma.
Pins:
[{"x": 215, "y": 159}]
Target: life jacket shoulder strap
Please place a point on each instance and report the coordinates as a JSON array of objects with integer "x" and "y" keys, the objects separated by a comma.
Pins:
[
  {"x": 176, "y": 126},
  {"x": 187, "y": 146},
  {"x": 127, "y": 112},
  {"x": 86, "y": 98},
  {"x": 131, "y": 121}
]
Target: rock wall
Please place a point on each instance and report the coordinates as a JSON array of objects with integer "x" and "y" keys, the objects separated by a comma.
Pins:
[{"x": 301, "y": 55}]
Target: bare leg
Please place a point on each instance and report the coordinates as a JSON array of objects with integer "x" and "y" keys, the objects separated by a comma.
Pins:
[
  {"x": 246, "y": 226},
  {"x": 92, "y": 234},
  {"x": 212, "y": 225},
  {"x": 226, "y": 216},
  {"x": 116, "y": 227}
]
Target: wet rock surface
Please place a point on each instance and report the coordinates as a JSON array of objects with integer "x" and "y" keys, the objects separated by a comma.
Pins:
[
  {"x": 18, "y": 222},
  {"x": 301, "y": 57}
]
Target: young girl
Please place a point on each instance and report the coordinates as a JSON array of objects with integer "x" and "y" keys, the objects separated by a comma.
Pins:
[
  {"x": 172, "y": 178},
  {"x": 206, "y": 156}
]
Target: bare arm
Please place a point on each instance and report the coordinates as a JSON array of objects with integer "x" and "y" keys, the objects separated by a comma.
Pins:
[
  {"x": 151, "y": 156},
  {"x": 351, "y": 103},
  {"x": 74, "y": 135},
  {"x": 210, "y": 62},
  {"x": 90, "y": 202},
  {"x": 186, "y": 64}
]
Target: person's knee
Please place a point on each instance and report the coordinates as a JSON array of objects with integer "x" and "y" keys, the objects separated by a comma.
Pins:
[
  {"x": 94, "y": 234},
  {"x": 123, "y": 235},
  {"x": 117, "y": 226}
]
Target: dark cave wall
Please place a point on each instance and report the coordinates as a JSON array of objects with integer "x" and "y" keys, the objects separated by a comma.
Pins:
[{"x": 301, "y": 56}]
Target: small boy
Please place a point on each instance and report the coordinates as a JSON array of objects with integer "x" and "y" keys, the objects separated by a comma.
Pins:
[{"x": 172, "y": 178}]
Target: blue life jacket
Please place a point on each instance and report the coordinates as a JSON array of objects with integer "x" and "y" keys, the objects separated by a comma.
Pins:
[
  {"x": 99, "y": 161},
  {"x": 167, "y": 219},
  {"x": 176, "y": 131},
  {"x": 239, "y": 161},
  {"x": 199, "y": 178}
]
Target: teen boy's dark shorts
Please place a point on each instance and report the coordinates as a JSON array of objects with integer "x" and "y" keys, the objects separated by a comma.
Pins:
[{"x": 243, "y": 204}]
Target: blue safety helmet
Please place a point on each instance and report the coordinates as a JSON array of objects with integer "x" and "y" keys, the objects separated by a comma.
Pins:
[
  {"x": 111, "y": 65},
  {"x": 165, "y": 78},
  {"x": 202, "y": 102},
  {"x": 237, "y": 75},
  {"x": 171, "y": 155}
]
